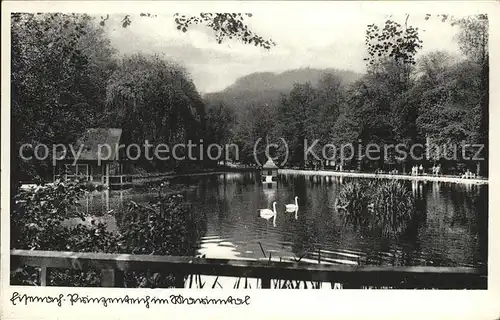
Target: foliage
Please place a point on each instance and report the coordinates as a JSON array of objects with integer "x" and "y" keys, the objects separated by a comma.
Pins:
[
  {"x": 395, "y": 41},
  {"x": 66, "y": 79},
  {"x": 64, "y": 65},
  {"x": 297, "y": 112},
  {"x": 473, "y": 40},
  {"x": 156, "y": 101},
  {"x": 166, "y": 227},
  {"x": 472, "y": 36},
  {"x": 353, "y": 203},
  {"x": 225, "y": 25},
  {"x": 387, "y": 207},
  {"x": 220, "y": 125},
  {"x": 439, "y": 99},
  {"x": 37, "y": 224},
  {"x": 38, "y": 213},
  {"x": 394, "y": 207},
  {"x": 450, "y": 104},
  {"x": 59, "y": 67},
  {"x": 256, "y": 124}
]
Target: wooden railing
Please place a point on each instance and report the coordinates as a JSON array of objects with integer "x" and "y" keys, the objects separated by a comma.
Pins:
[
  {"x": 79, "y": 177},
  {"x": 118, "y": 181},
  {"x": 112, "y": 267}
]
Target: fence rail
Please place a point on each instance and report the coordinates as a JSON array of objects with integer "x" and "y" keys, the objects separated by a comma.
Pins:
[
  {"x": 118, "y": 181},
  {"x": 112, "y": 267}
]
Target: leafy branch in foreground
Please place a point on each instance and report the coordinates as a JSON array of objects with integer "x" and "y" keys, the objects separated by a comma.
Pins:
[
  {"x": 225, "y": 26},
  {"x": 394, "y": 40}
]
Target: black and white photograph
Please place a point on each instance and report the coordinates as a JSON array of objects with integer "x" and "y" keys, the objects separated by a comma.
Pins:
[{"x": 267, "y": 149}]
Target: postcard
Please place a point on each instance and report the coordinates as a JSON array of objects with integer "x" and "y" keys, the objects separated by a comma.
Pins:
[{"x": 201, "y": 159}]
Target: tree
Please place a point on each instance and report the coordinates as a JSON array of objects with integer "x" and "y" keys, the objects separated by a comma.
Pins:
[
  {"x": 434, "y": 101},
  {"x": 331, "y": 98},
  {"x": 256, "y": 127},
  {"x": 473, "y": 41},
  {"x": 298, "y": 112},
  {"x": 156, "y": 101},
  {"x": 450, "y": 104},
  {"x": 220, "y": 125},
  {"x": 60, "y": 70},
  {"x": 60, "y": 63}
]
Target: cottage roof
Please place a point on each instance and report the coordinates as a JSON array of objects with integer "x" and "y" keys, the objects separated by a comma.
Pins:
[
  {"x": 270, "y": 164},
  {"x": 92, "y": 139}
]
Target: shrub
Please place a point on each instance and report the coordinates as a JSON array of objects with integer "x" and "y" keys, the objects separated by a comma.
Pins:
[
  {"x": 38, "y": 212},
  {"x": 166, "y": 227},
  {"x": 93, "y": 186}
]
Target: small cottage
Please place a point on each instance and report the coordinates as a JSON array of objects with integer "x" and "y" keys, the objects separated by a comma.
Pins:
[
  {"x": 269, "y": 171},
  {"x": 97, "y": 162}
]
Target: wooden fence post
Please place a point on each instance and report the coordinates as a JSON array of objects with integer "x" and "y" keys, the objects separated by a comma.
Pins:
[
  {"x": 179, "y": 280},
  {"x": 112, "y": 278},
  {"x": 266, "y": 283},
  {"x": 43, "y": 276}
]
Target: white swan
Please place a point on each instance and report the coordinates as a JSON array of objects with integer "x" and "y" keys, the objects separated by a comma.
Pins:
[
  {"x": 292, "y": 207},
  {"x": 268, "y": 213}
]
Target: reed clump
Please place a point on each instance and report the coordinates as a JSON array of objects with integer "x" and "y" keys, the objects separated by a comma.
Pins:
[{"x": 384, "y": 206}]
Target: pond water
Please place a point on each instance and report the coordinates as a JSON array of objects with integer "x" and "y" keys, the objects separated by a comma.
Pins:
[{"x": 451, "y": 231}]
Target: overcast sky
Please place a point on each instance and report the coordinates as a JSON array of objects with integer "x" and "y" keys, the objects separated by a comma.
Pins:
[{"x": 315, "y": 38}]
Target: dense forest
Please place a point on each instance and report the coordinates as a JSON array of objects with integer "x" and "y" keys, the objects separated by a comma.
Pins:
[
  {"x": 66, "y": 77},
  {"x": 438, "y": 100}
]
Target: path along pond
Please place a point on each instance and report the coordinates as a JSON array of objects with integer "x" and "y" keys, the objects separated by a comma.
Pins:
[{"x": 452, "y": 229}]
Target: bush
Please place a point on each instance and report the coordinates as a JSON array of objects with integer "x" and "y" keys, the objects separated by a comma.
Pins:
[
  {"x": 165, "y": 227},
  {"x": 38, "y": 212},
  {"x": 93, "y": 186}
]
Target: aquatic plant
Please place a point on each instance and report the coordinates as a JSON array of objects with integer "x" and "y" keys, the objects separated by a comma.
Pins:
[
  {"x": 394, "y": 207},
  {"x": 387, "y": 206},
  {"x": 353, "y": 204}
]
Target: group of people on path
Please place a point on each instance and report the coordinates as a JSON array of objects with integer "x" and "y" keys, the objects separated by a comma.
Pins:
[
  {"x": 468, "y": 175},
  {"x": 436, "y": 170},
  {"x": 416, "y": 170},
  {"x": 419, "y": 170}
]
